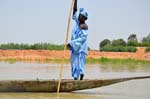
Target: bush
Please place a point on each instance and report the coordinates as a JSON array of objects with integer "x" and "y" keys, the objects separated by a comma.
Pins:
[
  {"x": 104, "y": 43},
  {"x": 37, "y": 46},
  {"x": 132, "y": 37},
  {"x": 131, "y": 49},
  {"x": 146, "y": 44},
  {"x": 147, "y": 49},
  {"x": 110, "y": 48},
  {"x": 89, "y": 48},
  {"x": 133, "y": 43},
  {"x": 146, "y": 39},
  {"x": 119, "y": 42}
]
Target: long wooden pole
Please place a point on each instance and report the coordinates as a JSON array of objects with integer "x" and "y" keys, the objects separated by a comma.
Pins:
[{"x": 67, "y": 35}]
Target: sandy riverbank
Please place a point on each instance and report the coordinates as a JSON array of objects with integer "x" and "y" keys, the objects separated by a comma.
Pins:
[{"x": 46, "y": 54}]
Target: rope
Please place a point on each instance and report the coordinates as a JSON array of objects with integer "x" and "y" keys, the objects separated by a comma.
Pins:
[{"x": 67, "y": 35}]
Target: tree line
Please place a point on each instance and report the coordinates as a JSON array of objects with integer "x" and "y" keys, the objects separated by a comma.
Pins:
[
  {"x": 120, "y": 45},
  {"x": 36, "y": 46},
  {"x": 117, "y": 45}
]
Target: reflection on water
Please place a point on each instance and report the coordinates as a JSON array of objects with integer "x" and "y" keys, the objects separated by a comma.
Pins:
[
  {"x": 103, "y": 93},
  {"x": 136, "y": 89}
]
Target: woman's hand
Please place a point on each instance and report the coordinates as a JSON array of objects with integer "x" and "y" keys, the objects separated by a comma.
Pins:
[{"x": 68, "y": 46}]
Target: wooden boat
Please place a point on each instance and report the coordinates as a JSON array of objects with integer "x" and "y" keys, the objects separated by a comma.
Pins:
[{"x": 51, "y": 85}]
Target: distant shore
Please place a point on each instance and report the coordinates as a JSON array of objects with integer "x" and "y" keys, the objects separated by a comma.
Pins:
[{"x": 57, "y": 55}]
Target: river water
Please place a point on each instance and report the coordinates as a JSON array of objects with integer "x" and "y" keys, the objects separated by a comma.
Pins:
[{"x": 134, "y": 89}]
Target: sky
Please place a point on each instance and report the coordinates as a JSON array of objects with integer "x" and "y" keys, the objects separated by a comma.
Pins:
[{"x": 35, "y": 21}]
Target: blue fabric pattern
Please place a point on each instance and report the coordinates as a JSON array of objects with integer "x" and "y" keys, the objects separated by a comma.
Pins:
[{"x": 79, "y": 49}]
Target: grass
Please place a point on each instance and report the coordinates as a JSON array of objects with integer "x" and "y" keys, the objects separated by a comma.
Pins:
[
  {"x": 116, "y": 61},
  {"x": 9, "y": 60},
  {"x": 14, "y": 60},
  {"x": 101, "y": 60}
]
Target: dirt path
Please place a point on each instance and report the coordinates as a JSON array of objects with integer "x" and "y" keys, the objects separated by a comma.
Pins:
[{"x": 45, "y": 54}]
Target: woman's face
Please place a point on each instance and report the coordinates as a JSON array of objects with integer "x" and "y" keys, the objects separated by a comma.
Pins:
[{"x": 81, "y": 18}]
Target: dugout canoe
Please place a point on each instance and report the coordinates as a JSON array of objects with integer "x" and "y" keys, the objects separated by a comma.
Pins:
[{"x": 66, "y": 85}]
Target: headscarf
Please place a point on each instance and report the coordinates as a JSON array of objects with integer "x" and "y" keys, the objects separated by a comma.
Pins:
[{"x": 83, "y": 12}]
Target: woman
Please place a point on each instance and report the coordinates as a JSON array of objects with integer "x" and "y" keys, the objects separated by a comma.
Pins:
[{"x": 78, "y": 43}]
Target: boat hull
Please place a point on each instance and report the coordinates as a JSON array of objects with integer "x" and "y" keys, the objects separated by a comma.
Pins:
[{"x": 51, "y": 85}]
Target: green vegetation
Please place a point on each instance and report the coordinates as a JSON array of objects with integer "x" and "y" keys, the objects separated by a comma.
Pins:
[
  {"x": 89, "y": 61},
  {"x": 119, "y": 45},
  {"x": 147, "y": 49},
  {"x": 146, "y": 39},
  {"x": 116, "y": 61},
  {"x": 37, "y": 46},
  {"x": 118, "y": 42},
  {"x": 10, "y": 60},
  {"x": 104, "y": 43},
  {"x": 47, "y": 60},
  {"x": 133, "y": 43},
  {"x": 132, "y": 37},
  {"x": 110, "y": 48}
]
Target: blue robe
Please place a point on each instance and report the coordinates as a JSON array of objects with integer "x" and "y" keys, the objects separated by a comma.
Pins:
[{"x": 78, "y": 49}]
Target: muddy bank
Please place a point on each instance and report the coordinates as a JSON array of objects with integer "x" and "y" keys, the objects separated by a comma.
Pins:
[{"x": 46, "y": 54}]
